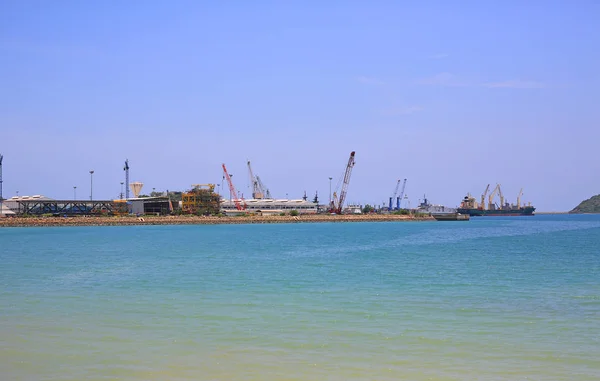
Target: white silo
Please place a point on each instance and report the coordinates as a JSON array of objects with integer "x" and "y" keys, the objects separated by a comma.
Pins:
[{"x": 136, "y": 188}]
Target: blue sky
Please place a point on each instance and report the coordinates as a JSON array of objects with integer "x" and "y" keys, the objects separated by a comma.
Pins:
[{"x": 451, "y": 95}]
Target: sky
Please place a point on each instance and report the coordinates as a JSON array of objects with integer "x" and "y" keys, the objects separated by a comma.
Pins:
[{"x": 451, "y": 95}]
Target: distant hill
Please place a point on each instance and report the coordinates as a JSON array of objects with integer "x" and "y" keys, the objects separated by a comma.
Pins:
[{"x": 591, "y": 205}]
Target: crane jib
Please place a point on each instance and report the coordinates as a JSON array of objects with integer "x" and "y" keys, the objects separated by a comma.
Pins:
[{"x": 340, "y": 204}]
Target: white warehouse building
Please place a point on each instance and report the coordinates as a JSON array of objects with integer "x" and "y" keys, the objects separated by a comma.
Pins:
[{"x": 270, "y": 206}]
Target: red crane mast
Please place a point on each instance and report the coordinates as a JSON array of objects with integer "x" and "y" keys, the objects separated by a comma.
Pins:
[{"x": 238, "y": 204}]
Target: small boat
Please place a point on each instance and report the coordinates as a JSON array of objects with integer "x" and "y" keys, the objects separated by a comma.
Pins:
[{"x": 450, "y": 216}]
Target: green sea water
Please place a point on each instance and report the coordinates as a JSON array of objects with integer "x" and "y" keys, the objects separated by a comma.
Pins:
[{"x": 489, "y": 299}]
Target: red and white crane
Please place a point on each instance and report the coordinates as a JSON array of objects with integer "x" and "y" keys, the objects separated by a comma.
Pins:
[
  {"x": 233, "y": 192},
  {"x": 338, "y": 203}
]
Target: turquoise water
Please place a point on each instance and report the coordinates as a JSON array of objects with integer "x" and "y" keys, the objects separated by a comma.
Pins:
[{"x": 490, "y": 299}]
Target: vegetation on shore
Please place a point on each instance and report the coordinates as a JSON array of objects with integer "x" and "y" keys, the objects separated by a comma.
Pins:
[{"x": 591, "y": 205}]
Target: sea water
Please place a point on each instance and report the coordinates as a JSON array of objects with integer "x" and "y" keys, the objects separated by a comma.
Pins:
[{"x": 490, "y": 299}]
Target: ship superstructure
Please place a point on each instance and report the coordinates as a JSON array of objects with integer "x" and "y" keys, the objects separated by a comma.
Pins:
[{"x": 471, "y": 206}]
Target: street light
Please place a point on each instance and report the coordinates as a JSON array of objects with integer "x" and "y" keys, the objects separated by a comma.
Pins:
[
  {"x": 330, "y": 190},
  {"x": 121, "y": 190},
  {"x": 91, "y": 185},
  {"x": 74, "y": 193},
  {"x": 219, "y": 189}
]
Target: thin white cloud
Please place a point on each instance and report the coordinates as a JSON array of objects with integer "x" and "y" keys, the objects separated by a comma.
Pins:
[
  {"x": 370, "y": 81},
  {"x": 515, "y": 84},
  {"x": 451, "y": 80}
]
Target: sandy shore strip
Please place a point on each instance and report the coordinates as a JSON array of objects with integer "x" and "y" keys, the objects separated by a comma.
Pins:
[{"x": 196, "y": 220}]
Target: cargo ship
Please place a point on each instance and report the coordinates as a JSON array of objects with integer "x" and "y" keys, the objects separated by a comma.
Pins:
[{"x": 470, "y": 206}]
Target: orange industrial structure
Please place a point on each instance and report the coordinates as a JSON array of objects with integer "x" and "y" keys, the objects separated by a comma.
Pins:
[{"x": 201, "y": 199}]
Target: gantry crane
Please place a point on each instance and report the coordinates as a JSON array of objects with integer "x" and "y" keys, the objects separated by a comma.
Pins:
[
  {"x": 234, "y": 195},
  {"x": 338, "y": 204},
  {"x": 482, "y": 206}
]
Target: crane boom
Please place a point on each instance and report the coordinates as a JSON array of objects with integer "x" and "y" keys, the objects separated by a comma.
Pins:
[
  {"x": 519, "y": 198},
  {"x": 501, "y": 197},
  {"x": 487, "y": 189},
  {"x": 491, "y": 198},
  {"x": 238, "y": 204},
  {"x": 257, "y": 192},
  {"x": 340, "y": 202},
  {"x": 265, "y": 191},
  {"x": 399, "y": 199}
]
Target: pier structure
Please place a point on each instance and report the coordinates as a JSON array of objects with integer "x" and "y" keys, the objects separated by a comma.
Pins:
[{"x": 40, "y": 206}]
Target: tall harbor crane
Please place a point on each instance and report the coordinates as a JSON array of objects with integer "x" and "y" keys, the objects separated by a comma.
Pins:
[
  {"x": 126, "y": 169},
  {"x": 519, "y": 198},
  {"x": 487, "y": 189},
  {"x": 501, "y": 197},
  {"x": 266, "y": 192},
  {"x": 399, "y": 199},
  {"x": 259, "y": 191},
  {"x": 232, "y": 191},
  {"x": 338, "y": 203},
  {"x": 394, "y": 195},
  {"x": 491, "y": 198},
  {"x": 256, "y": 191}
]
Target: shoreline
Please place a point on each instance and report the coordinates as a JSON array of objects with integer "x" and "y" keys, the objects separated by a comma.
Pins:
[{"x": 197, "y": 220}]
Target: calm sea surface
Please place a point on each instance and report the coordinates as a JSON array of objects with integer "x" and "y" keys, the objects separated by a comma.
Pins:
[{"x": 489, "y": 299}]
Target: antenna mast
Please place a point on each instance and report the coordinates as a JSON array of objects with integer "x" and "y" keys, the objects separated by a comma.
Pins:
[{"x": 126, "y": 169}]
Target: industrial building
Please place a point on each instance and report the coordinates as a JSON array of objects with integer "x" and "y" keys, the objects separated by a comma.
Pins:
[
  {"x": 201, "y": 199},
  {"x": 39, "y": 205},
  {"x": 149, "y": 205},
  {"x": 269, "y": 206}
]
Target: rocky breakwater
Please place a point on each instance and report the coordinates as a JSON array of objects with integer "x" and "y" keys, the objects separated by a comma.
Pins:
[{"x": 197, "y": 220}]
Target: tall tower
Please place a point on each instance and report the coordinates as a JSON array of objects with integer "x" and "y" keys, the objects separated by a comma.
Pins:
[
  {"x": 1, "y": 199},
  {"x": 126, "y": 169}
]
